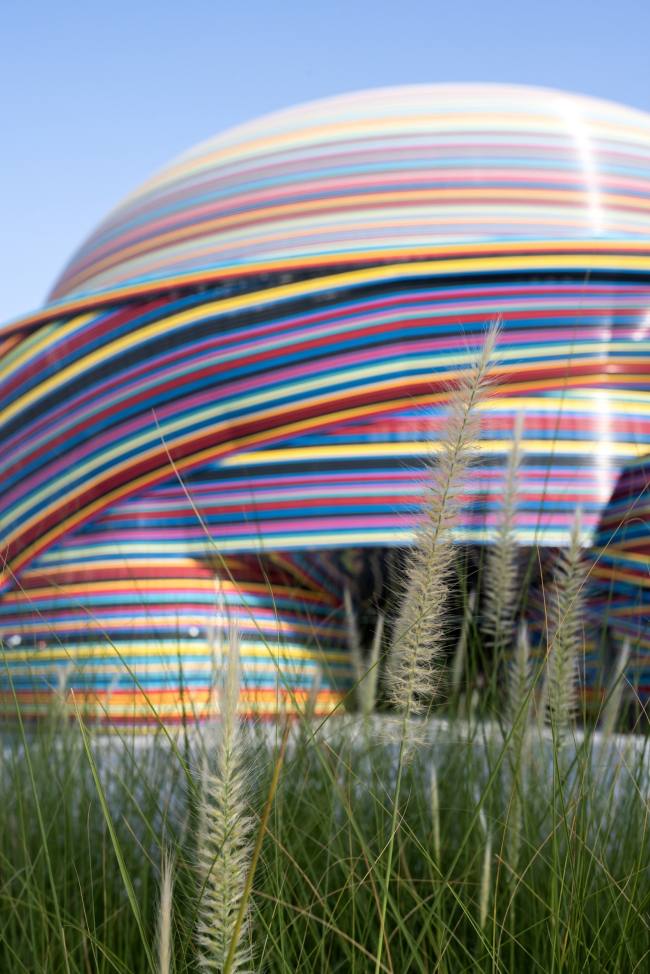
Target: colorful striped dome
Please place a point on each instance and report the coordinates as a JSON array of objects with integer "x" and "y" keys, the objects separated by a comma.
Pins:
[
  {"x": 430, "y": 171},
  {"x": 280, "y": 313}
]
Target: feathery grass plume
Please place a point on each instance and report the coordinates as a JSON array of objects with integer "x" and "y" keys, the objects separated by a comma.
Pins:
[
  {"x": 353, "y": 637},
  {"x": 215, "y": 634},
  {"x": 110, "y": 690},
  {"x": 59, "y": 706},
  {"x": 486, "y": 874},
  {"x": 519, "y": 683},
  {"x": 458, "y": 665},
  {"x": 512, "y": 844},
  {"x": 412, "y": 674},
  {"x": 224, "y": 827},
  {"x": 165, "y": 916},
  {"x": 501, "y": 560},
  {"x": 615, "y": 692},
  {"x": 474, "y": 701},
  {"x": 312, "y": 699},
  {"x": 435, "y": 813},
  {"x": 368, "y": 685},
  {"x": 565, "y": 615},
  {"x": 517, "y": 714},
  {"x": 365, "y": 669}
]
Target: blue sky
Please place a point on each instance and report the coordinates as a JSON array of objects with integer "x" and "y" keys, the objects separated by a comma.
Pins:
[{"x": 96, "y": 95}]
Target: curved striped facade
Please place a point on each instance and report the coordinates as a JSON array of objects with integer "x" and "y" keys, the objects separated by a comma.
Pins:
[{"x": 264, "y": 335}]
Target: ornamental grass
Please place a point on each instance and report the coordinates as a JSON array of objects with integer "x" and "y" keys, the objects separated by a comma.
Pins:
[{"x": 460, "y": 811}]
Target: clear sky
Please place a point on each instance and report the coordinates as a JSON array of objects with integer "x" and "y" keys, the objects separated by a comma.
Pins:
[{"x": 95, "y": 95}]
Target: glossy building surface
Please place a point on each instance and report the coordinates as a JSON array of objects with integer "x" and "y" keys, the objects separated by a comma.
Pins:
[{"x": 264, "y": 333}]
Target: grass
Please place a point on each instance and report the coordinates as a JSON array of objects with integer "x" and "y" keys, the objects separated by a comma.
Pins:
[{"x": 575, "y": 898}]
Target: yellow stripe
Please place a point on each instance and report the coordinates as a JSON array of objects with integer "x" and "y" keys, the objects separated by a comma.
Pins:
[
  {"x": 530, "y": 447},
  {"x": 256, "y": 650},
  {"x": 52, "y": 334},
  {"x": 587, "y": 257}
]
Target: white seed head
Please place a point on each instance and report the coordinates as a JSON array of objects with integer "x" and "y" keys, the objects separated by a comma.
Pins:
[
  {"x": 484, "y": 895},
  {"x": 413, "y": 674},
  {"x": 164, "y": 930},
  {"x": 224, "y": 830},
  {"x": 435, "y": 813},
  {"x": 458, "y": 665},
  {"x": 502, "y": 555},
  {"x": 615, "y": 691},
  {"x": 519, "y": 683},
  {"x": 565, "y": 615}
]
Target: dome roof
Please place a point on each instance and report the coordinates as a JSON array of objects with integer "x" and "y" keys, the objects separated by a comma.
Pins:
[{"x": 393, "y": 174}]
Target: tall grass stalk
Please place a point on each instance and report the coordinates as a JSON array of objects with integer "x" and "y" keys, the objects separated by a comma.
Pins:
[
  {"x": 566, "y": 619},
  {"x": 365, "y": 667},
  {"x": 312, "y": 699},
  {"x": 412, "y": 672},
  {"x": 371, "y": 675},
  {"x": 413, "y": 675},
  {"x": 615, "y": 691},
  {"x": 518, "y": 723},
  {"x": 223, "y": 842},
  {"x": 165, "y": 921},
  {"x": 501, "y": 576},
  {"x": 460, "y": 654},
  {"x": 435, "y": 813},
  {"x": 486, "y": 874},
  {"x": 518, "y": 690}
]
